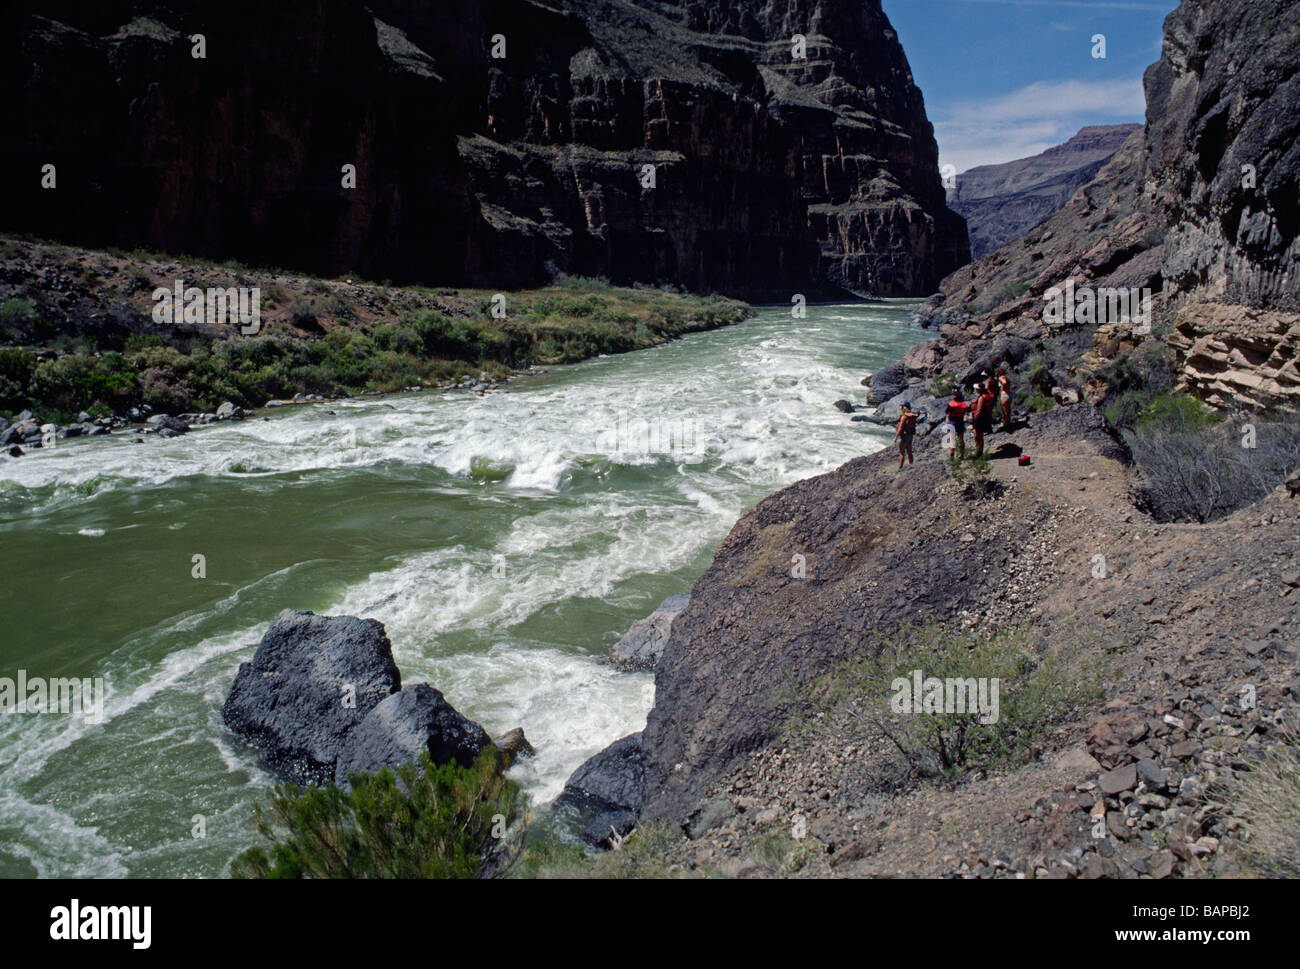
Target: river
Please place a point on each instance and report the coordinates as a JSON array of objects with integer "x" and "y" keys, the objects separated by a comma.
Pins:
[{"x": 505, "y": 541}]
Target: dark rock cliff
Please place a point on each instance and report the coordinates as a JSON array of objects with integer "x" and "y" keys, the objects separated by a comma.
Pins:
[
  {"x": 1001, "y": 202},
  {"x": 1223, "y": 143},
  {"x": 770, "y": 175}
]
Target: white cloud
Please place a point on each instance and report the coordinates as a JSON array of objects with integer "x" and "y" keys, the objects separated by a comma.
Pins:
[{"x": 1032, "y": 119}]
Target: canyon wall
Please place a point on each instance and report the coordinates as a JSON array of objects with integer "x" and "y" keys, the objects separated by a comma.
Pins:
[{"x": 656, "y": 142}]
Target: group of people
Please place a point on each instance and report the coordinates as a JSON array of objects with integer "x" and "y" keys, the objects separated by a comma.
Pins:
[{"x": 991, "y": 399}]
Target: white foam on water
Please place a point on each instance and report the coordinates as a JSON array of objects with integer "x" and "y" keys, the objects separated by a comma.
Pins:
[{"x": 597, "y": 514}]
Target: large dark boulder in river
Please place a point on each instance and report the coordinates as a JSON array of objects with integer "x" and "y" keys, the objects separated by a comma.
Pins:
[
  {"x": 405, "y": 724},
  {"x": 311, "y": 682},
  {"x": 606, "y": 792}
]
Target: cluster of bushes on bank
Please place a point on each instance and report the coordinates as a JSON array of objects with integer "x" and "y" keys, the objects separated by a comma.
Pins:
[
  {"x": 420, "y": 822},
  {"x": 1194, "y": 463},
  {"x": 177, "y": 373}
]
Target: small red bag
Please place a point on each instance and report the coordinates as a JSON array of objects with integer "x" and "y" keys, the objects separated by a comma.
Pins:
[{"x": 1024, "y": 459}]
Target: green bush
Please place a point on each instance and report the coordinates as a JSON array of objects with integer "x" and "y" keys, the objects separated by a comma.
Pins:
[
  {"x": 71, "y": 383},
  {"x": 430, "y": 822},
  {"x": 1040, "y": 402},
  {"x": 22, "y": 320},
  {"x": 1037, "y": 691},
  {"x": 16, "y": 369}
]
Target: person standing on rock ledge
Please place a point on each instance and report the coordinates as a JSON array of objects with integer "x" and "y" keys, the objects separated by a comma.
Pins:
[
  {"x": 956, "y": 414},
  {"x": 1004, "y": 392},
  {"x": 982, "y": 414},
  {"x": 904, "y": 434}
]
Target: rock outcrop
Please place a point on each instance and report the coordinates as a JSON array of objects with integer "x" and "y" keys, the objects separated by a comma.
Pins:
[
  {"x": 1239, "y": 356},
  {"x": 1106, "y": 237},
  {"x": 322, "y": 696},
  {"x": 1202, "y": 207},
  {"x": 1223, "y": 146},
  {"x": 1002, "y": 202},
  {"x": 643, "y": 643},
  {"x": 605, "y": 794},
  {"x": 488, "y": 142},
  {"x": 876, "y": 556}
]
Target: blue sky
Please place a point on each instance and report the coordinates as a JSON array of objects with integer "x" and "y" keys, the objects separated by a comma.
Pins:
[{"x": 1004, "y": 79}]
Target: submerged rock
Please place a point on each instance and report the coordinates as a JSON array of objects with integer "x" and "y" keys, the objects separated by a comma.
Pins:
[
  {"x": 605, "y": 794},
  {"x": 514, "y": 745},
  {"x": 643, "y": 644}
]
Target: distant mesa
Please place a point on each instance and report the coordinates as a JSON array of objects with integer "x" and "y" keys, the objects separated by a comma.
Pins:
[{"x": 1002, "y": 202}]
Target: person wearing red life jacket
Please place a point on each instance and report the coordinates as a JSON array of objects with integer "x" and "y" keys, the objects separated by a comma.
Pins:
[{"x": 956, "y": 426}]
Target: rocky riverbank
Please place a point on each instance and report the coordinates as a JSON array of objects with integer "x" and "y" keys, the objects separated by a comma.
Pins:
[
  {"x": 1177, "y": 753},
  {"x": 82, "y": 352}
]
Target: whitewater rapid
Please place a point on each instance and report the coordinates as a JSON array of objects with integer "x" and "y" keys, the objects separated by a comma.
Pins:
[{"x": 505, "y": 541}]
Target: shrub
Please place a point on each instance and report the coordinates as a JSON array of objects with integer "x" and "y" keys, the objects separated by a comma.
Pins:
[
  {"x": 1267, "y": 800},
  {"x": 643, "y": 854},
  {"x": 1035, "y": 694},
  {"x": 72, "y": 383},
  {"x": 16, "y": 369},
  {"x": 942, "y": 385},
  {"x": 1135, "y": 380},
  {"x": 22, "y": 320},
  {"x": 1196, "y": 468},
  {"x": 425, "y": 822},
  {"x": 1038, "y": 403}
]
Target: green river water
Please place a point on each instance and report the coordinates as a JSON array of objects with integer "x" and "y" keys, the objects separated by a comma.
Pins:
[{"x": 505, "y": 542}]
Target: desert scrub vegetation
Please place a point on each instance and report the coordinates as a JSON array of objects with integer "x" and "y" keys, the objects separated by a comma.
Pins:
[
  {"x": 974, "y": 473},
  {"x": 988, "y": 699},
  {"x": 1196, "y": 465},
  {"x": 328, "y": 337},
  {"x": 643, "y": 854},
  {"x": 1266, "y": 799},
  {"x": 420, "y": 822}
]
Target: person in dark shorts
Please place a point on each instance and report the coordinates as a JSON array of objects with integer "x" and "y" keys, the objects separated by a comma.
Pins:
[
  {"x": 904, "y": 434},
  {"x": 956, "y": 427},
  {"x": 982, "y": 415}
]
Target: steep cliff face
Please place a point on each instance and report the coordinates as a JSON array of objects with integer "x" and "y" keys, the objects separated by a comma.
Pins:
[
  {"x": 1223, "y": 142},
  {"x": 671, "y": 143},
  {"x": 1168, "y": 212},
  {"x": 1001, "y": 202}
]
